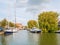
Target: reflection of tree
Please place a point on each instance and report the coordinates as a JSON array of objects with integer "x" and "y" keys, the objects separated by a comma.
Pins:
[
  {"x": 3, "y": 41},
  {"x": 48, "y": 39}
]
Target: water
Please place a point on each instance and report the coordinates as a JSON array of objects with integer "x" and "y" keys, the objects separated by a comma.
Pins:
[{"x": 24, "y": 37}]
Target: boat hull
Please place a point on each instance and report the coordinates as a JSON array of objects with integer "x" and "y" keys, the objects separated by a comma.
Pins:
[
  {"x": 57, "y": 32},
  {"x": 35, "y": 31},
  {"x": 7, "y": 32}
]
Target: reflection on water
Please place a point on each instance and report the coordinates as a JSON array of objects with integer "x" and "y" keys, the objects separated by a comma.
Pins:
[
  {"x": 2, "y": 40},
  {"x": 33, "y": 38},
  {"x": 26, "y": 38},
  {"x": 5, "y": 40},
  {"x": 48, "y": 39}
]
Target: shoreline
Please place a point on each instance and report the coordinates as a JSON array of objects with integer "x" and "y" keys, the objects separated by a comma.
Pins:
[{"x": 1, "y": 33}]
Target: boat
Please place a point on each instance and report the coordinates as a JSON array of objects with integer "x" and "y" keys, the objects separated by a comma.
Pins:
[
  {"x": 12, "y": 30},
  {"x": 15, "y": 30},
  {"x": 35, "y": 30},
  {"x": 57, "y": 31},
  {"x": 8, "y": 31}
]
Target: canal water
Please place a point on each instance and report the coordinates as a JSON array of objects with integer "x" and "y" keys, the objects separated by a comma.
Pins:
[{"x": 24, "y": 37}]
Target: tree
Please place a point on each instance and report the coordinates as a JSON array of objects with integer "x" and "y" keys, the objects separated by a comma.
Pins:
[
  {"x": 32, "y": 23},
  {"x": 48, "y": 21},
  {"x": 11, "y": 24},
  {"x": 3, "y": 23}
]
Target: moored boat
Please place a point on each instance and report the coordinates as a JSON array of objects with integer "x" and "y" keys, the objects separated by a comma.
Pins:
[
  {"x": 8, "y": 31},
  {"x": 35, "y": 30},
  {"x": 57, "y": 31}
]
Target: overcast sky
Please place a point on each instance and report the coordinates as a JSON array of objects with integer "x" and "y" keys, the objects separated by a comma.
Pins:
[{"x": 26, "y": 9}]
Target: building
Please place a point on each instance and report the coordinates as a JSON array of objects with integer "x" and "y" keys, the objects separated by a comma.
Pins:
[
  {"x": 19, "y": 26},
  {"x": 59, "y": 21},
  {"x": 59, "y": 24}
]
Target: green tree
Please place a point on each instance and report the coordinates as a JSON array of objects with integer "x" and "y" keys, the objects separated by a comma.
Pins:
[
  {"x": 48, "y": 21},
  {"x": 3, "y": 23},
  {"x": 32, "y": 23},
  {"x": 11, "y": 24}
]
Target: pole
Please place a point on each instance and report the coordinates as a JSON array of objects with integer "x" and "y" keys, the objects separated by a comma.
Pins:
[
  {"x": 15, "y": 12},
  {"x": 8, "y": 15}
]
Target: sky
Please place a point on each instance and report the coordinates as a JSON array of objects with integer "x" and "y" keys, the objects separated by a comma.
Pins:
[{"x": 26, "y": 9}]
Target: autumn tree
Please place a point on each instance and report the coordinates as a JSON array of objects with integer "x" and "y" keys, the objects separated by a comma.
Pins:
[
  {"x": 32, "y": 23},
  {"x": 48, "y": 21}
]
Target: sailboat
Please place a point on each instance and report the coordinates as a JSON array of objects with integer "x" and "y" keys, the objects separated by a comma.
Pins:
[
  {"x": 15, "y": 29},
  {"x": 9, "y": 30}
]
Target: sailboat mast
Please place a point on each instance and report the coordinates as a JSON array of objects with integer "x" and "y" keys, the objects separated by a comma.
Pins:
[
  {"x": 15, "y": 12},
  {"x": 8, "y": 15}
]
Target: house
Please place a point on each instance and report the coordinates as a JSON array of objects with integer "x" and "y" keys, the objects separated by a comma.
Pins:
[
  {"x": 59, "y": 21},
  {"x": 59, "y": 24},
  {"x": 19, "y": 26}
]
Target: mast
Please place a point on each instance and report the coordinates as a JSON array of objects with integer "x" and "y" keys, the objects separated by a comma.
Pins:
[
  {"x": 15, "y": 12},
  {"x": 8, "y": 15}
]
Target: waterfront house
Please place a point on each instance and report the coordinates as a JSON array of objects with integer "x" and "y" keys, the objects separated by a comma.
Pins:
[
  {"x": 19, "y": 26},
  {"x": 59, "y": 24}
]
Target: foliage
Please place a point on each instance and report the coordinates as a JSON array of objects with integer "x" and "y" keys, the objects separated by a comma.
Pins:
[
  {"x": 32, "y": 23},
  {"x": 48, "y": 21},
  {"x": 11, "y": 24},
  {"x": 3, "y": 23}
]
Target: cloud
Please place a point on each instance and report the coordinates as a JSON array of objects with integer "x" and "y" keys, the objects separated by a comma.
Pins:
[
  {"x": 34, "y": 2},
  {"x": 37, "y": 2},
  {"x": 35, "y": 6},
  {"x": 21, "y": 3},
  {"x": 26, "y": 9}
]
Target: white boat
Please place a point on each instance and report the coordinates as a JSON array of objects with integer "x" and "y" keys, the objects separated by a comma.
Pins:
[
  {"x": 15, "y": 30},
  {"x": 35, "y": 30},
  {"x": 9, "y": 30},
  {"x": 58, "y": 31}
]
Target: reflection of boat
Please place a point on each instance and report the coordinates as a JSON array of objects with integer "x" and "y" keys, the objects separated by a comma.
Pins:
[{"x": 35, "y": 30}]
